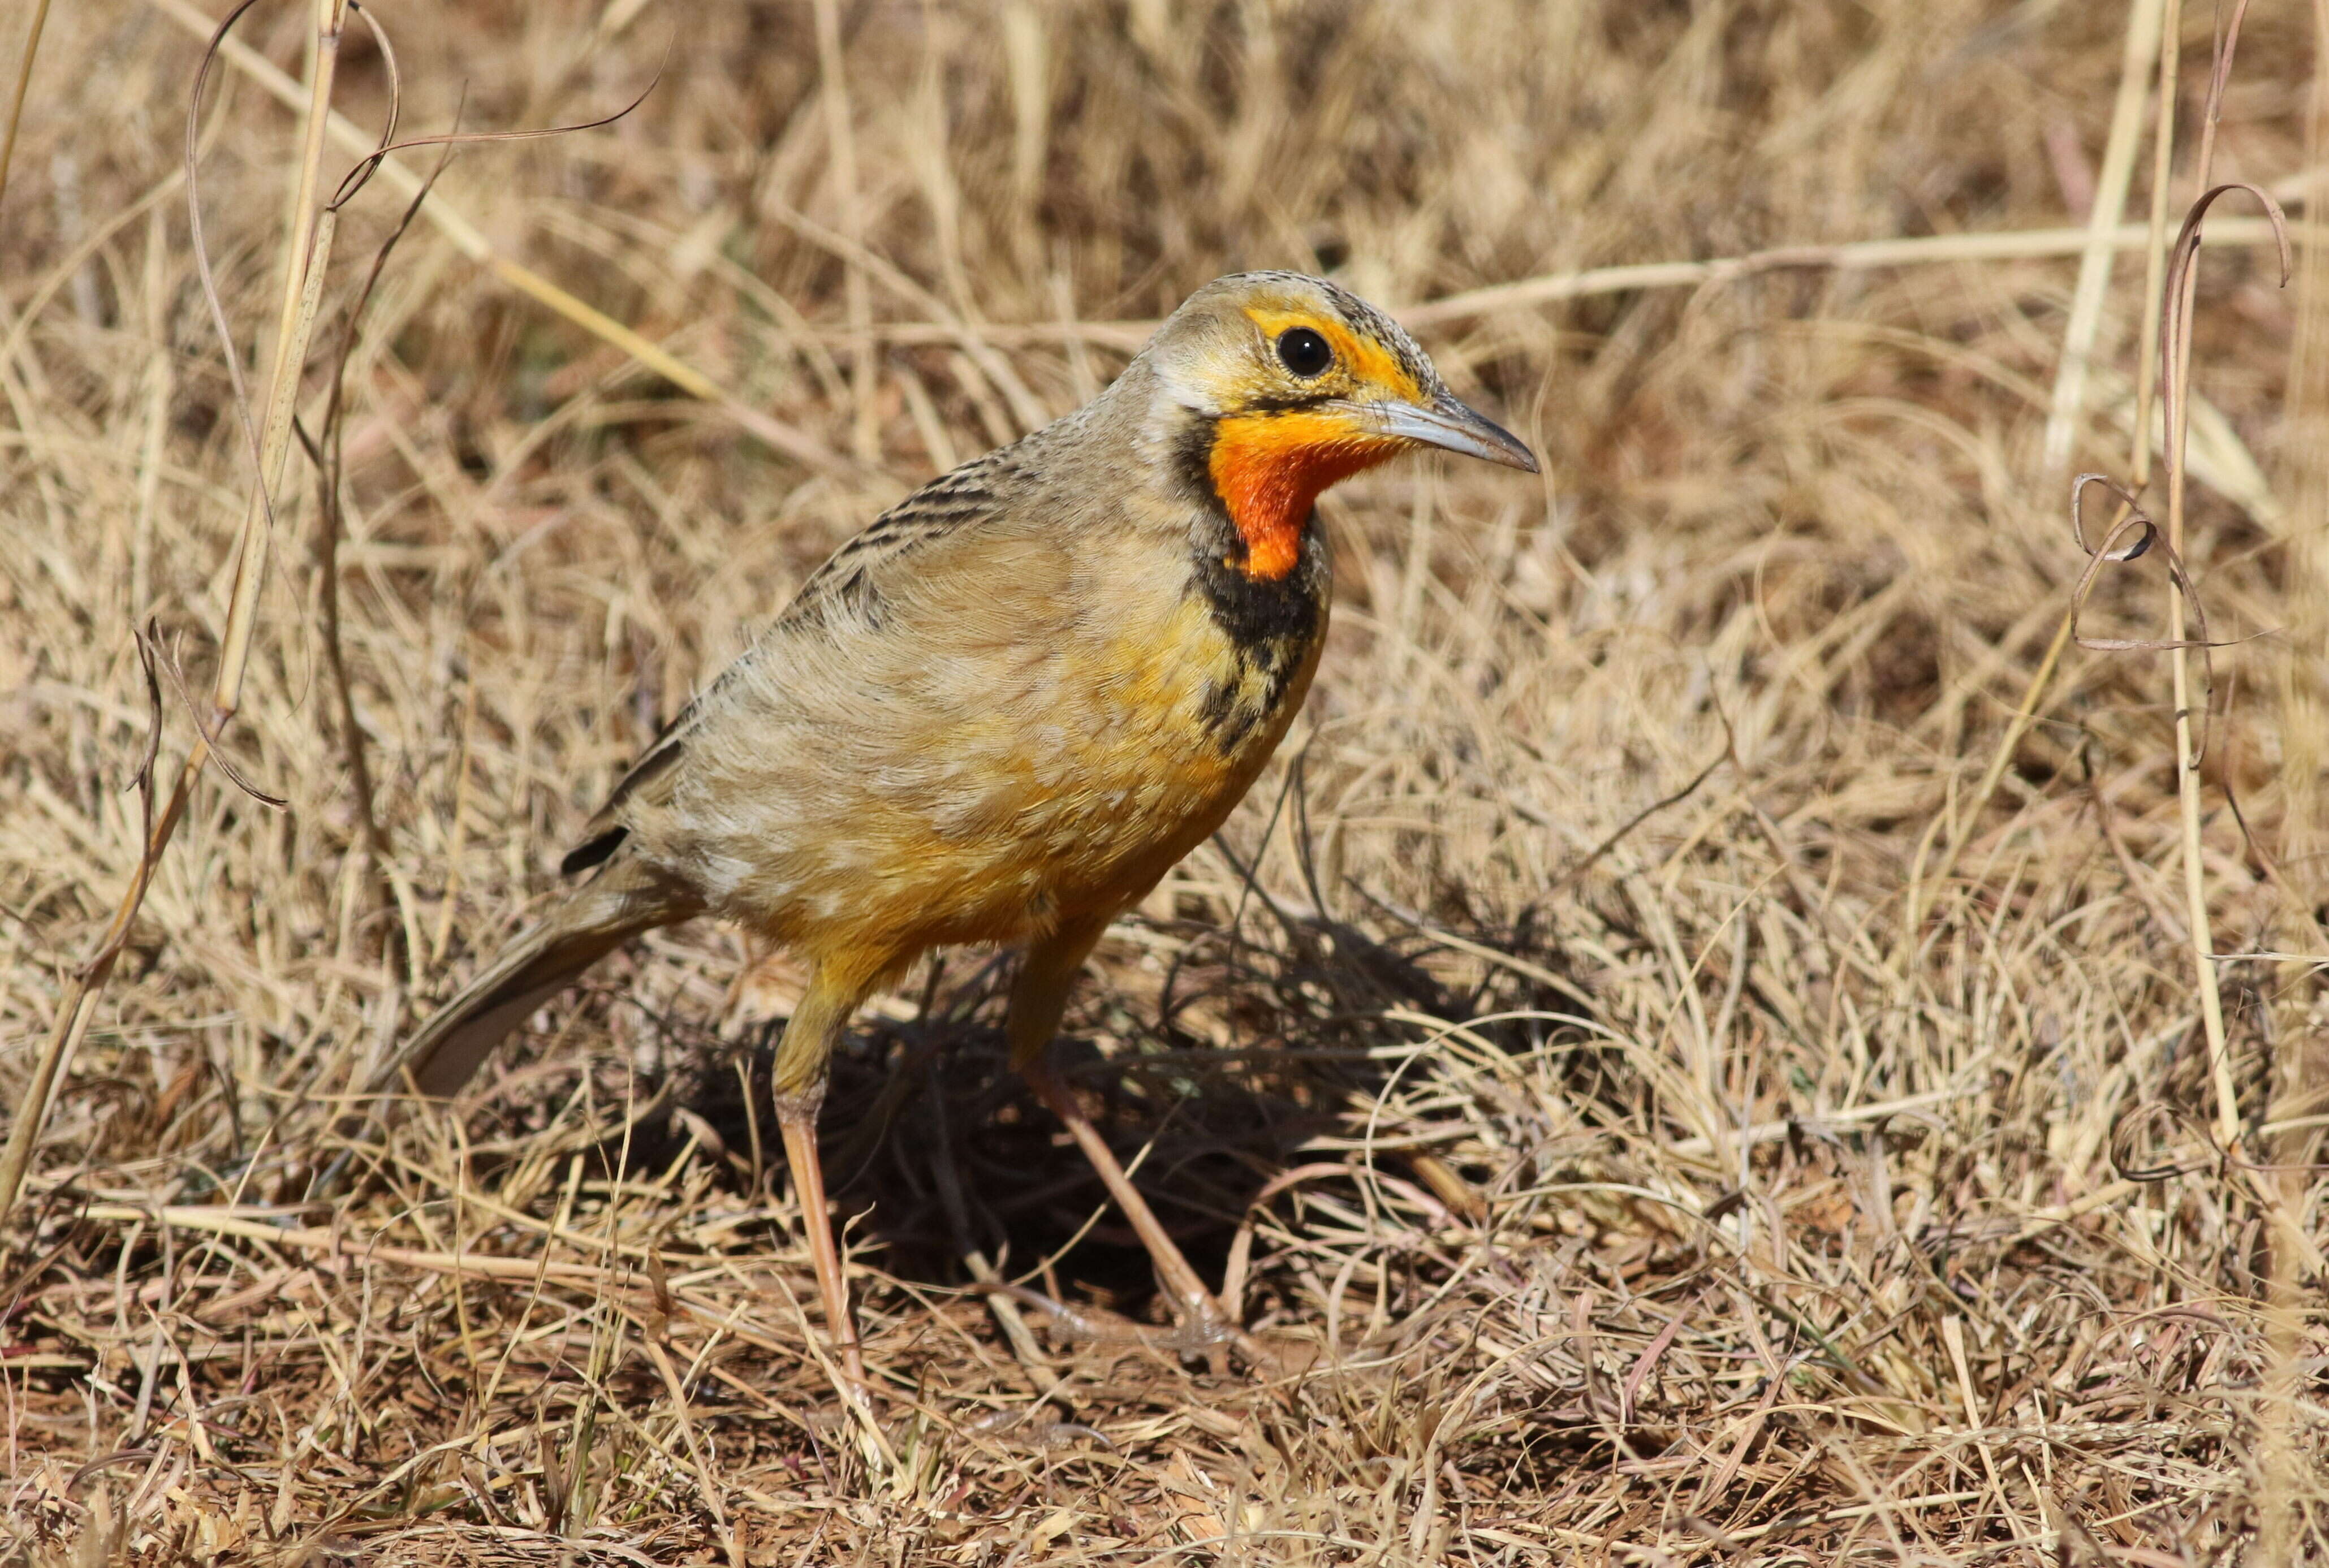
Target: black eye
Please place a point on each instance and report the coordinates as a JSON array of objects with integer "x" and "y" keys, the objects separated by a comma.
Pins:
[{"x": 1303, "y": 351}]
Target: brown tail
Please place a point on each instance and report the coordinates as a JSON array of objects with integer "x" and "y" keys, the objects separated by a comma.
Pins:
[{"x": 617, "y": 905}]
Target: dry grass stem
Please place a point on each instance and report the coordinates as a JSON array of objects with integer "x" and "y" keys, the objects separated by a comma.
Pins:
[
  {"x": 32, "y": 47},
  {"x": 306, "y": 251},
  {"x": 2181, "y": 290},
  {"x": 2144, "y": 20}
]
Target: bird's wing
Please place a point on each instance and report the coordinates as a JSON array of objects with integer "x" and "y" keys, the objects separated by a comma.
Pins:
[{"x": 956, "y": 500}]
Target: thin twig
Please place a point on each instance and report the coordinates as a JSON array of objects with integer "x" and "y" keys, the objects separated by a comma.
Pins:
[
  {"x": 2176, "y": 380},
  {"x": 307, "y": 244},
  {"x": 326, "y": 457}
]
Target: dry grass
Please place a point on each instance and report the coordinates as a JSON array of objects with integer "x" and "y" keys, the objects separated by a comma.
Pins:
[{"x": 1544, "y": 1050}]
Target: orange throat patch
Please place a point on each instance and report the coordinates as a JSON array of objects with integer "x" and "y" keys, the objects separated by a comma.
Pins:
[{"x": 1269, "y": 469}]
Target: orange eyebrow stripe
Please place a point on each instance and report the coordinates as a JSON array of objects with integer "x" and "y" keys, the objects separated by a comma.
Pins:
[
  {"x": 1269, "y": 469},
  {"x": 1365, "y": 359}
]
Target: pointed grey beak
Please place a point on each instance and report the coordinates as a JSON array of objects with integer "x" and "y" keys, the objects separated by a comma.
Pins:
[{"x": 1449, "y": 424}]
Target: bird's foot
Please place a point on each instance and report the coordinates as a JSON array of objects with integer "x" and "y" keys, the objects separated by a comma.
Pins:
[{"x": 1204, "y": 1329}]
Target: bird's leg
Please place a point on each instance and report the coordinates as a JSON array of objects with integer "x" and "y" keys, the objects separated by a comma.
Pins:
[
  {"x": 797, "y": 1119},
  {"x": 802, "y": 1056},
  {"x": 1174, "y": 1271},
  {"x": 1038, "y": 999}
]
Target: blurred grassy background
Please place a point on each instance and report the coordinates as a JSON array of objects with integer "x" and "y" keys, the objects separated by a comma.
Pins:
[{"x": 1573, "y": 1053}]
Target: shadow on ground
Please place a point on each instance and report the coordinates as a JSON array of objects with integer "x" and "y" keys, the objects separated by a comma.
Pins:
[{"x": 936, "y": 1149}]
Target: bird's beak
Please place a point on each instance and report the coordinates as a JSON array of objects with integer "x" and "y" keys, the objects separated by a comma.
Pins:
[{"x": 1447, "y": 424}]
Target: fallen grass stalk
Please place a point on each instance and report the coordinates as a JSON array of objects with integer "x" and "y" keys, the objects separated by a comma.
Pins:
[
  {"x": 1588, "y": 283},
  {"x": 1858, "y": 255}
]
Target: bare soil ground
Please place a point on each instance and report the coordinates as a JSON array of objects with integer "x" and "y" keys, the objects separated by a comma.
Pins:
[{"x": 1663, "y": 1096}]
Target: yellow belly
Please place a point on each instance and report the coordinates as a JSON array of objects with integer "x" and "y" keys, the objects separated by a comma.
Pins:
[{"x": 1072, "y": 803}]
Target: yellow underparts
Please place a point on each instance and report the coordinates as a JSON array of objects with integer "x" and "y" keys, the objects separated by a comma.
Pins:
[{"x": 1270, "y": 468}]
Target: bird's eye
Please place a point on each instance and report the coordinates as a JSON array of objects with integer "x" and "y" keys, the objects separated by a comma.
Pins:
[{"x": 1303, "y": 351}]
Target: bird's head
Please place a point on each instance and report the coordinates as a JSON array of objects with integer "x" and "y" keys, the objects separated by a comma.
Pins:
[{"x": 1284, "y": 384}]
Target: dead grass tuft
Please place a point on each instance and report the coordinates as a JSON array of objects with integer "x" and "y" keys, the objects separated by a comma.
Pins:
[{"x": 1657, "y": 1099}]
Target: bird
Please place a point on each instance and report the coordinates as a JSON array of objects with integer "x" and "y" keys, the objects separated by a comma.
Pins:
[{"x": 1003, "y": 711}]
